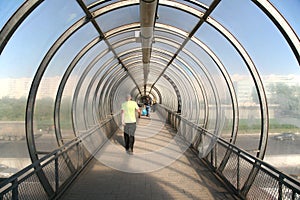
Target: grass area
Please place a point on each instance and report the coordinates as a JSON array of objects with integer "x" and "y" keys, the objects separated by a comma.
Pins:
[{"x": 254, "y": 126}]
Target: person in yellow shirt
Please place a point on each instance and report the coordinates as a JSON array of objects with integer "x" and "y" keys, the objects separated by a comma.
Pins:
[{"x": 128, "y": 117}]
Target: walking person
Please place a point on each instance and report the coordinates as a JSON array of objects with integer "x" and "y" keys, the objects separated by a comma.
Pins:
[
  {"x": 128, "y": 110},
  {"x": 148, "y": 104}
]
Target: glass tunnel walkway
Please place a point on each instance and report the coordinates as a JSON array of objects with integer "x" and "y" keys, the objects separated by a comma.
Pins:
[{"x": 224, "y": 73}]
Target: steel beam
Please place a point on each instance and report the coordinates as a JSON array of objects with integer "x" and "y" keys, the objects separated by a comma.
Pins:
[{"x": 148, "y": 12}]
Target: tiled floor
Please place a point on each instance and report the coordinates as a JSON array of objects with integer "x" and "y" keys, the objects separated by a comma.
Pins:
[{"x": 162, "y": 167}]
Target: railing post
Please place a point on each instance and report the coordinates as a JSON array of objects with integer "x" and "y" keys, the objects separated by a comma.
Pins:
[
  {"x": 212, "y": 158},
  {"x": 238, "y": 173},
  {"x": 280, "y": 187},
  {"x": 179, "y": 128},
  {"x": 56, "y": 173},
  {"x": 15, "y": 192},
  {"x": 78, "y": 155}
]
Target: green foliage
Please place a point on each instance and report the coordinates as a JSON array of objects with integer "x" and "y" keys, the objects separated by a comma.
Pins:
[
  {"x": 246, "y": 127},
  {"x": 12, "y": 109},
  {"x": 287, "y": 98},
  {"x": 44, "y": 109},
  {"x": 274, "y": 126},
  {"x": 44, "y": 113}
]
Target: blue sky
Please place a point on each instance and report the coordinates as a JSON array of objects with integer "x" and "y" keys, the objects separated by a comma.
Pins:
[
  {"x": 30, "y": 42},
  {"x": 290, "y": 9}
]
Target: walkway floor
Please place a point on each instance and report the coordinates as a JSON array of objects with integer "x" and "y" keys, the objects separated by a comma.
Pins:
[{"x": 162, "y": 167}]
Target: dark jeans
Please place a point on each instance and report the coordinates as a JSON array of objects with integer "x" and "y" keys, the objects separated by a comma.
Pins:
[
  {"x": 148, "y": 110},
  {"x": 129, "y": 141},
  {"x": 129, "y": 131}
]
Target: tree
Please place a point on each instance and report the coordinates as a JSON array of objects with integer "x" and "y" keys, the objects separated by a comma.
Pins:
[{"x": 287, "y": 99}]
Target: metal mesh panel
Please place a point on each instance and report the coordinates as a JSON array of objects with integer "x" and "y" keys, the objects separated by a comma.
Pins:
[
  {"x": 31, "y": 189},
  {"x": 221, "y": 150},
  {"x": 264, "y": 187},
  {"x": 85, "y": 153},
  {"x": 75, "y": 156},
  {"x": 49, "y": 171},
  {"x": 231, "y": 168},
  {"x": 88, "y": 140},
  {"x": 208, "y": 158},
  {"x": 64, "y": 172},
  {"x": 287, "y": 193},
  {"x": 189, "y": 134},
  {"x": 194, "y": 137},
  {"x": 245, "y": 168},
  {"x": 7, "y": 196}
]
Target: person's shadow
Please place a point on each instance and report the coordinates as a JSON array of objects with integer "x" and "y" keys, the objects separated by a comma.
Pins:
[{"x": 118, "y": 139}]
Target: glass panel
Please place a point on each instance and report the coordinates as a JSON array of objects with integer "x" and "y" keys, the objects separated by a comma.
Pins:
[
  {"x": 279, "y": 71},
  {"x": 169, "y": 35},
  {"x": 176, "y": 18},
  {"x": 197, "y": 4},
  {"x": 160, "y": 64},
  {"x": 165, "y": 47},
  {"x": 212, "y": 83},
  {"x": 88, "y": 2},
  {"x": 119, "y": 72},
  {"x": 131, "y": 59},
  {"x": 290, "y": 10},
  {"x": 167, "y": 91},
  {"x": 189, "y": 102},
  {"x": 154, "y": 71},
  {"x": 250, "y": 118},
  {"x": 102, "y": 4},
  {"x": 199, "y": 79},
  {"x": 128, "y": 46},
  {"x": 18, "y": 64},
  {"x": 100, "y": 78},
  {"x": 207, "y": 2},
  {"x": 105, "y": 90},
  {"x": 116, "y": 18},
  {"x": 183, "y": 86},
  {"x": 84, "y": 62},
  {"x": 80, "y": 117},
  {"x": 118, "y": 37},
  {"x": 50, "y": 82}
]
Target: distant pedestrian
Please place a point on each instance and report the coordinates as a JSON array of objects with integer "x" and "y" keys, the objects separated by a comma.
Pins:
[
  {"x": 148, "y": 104},
  {"x": 128, "y": 110}
]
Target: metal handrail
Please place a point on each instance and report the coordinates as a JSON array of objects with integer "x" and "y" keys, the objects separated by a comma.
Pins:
[
  {"x": 12, "y": 183},
  {"x": 287, "y": 186},
  {"x": 54, "y": 153},
  {"x": 9, "y": 187},
  {"x": 282, "y": 179}
]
